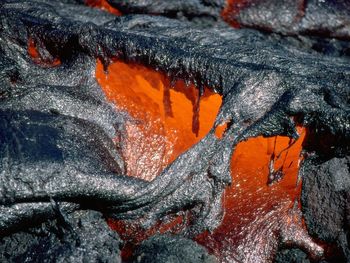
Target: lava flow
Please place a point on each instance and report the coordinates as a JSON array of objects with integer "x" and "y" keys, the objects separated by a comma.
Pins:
[
  {"x": 164, "y": 122},
  {"x": 165, "y": 119},
  {"x": 262, "y": 205}
]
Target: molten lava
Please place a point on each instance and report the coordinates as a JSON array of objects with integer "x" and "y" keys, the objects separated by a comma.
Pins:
[
  {"x": 104, "y": 5},
  {"x": 38, "y": 58},
  {"x": 165, "y": 119},
  {"x": 262, "y": 209},
  {"x": 232, "y": 9}
]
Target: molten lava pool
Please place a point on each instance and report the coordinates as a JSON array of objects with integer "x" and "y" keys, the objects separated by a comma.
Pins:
[{"x": 165, "y": 118}]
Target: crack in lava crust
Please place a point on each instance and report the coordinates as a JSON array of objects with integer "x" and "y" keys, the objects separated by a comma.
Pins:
[
  {"x": 261, "y": 207},
  {"x": 258, "y": 216},
  {"x": 163, "y": 122},
  {"x": 104, "y": 5}
]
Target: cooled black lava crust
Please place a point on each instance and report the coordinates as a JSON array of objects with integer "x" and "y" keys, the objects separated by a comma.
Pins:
[{"x": 61, "y": 172}]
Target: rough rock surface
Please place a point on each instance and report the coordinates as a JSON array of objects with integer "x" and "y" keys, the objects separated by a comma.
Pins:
[
  {"x": 325, "y": 201},
  {"x": 57, "y": 128},
  {"x": 82, "y": 236},
  {"x": 171, "y": 249},
  {"x": 207, "y": 10},
  {"x": 306, "y": 17},
  {"x": 291, "y": 256}
]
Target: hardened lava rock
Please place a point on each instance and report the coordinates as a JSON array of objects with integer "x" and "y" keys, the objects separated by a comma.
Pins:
[
  {"x": 292, "y": 256},
  {"x": 82, "y": 236},
  {"x": 327, "y": 18},
  {"x": 171, "y": 249},
  {"x": 325, "y": 201},
  {"x": 57, "y": 129},
  {"x": 207, "y": 10}
]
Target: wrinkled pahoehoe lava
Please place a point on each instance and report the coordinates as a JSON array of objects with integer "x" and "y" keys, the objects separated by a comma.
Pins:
[{"x": 71, "y": 137}]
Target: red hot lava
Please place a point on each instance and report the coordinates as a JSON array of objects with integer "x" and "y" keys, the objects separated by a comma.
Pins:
[
  {"x": 165, "y": 121},
  {"x": 260, "y": 212},
  {"x": 261, "y": 207},
  {"x": 232, "y": 9},
  {"x": 38, "y": 58},
  {"x": 104, "y": 5}
]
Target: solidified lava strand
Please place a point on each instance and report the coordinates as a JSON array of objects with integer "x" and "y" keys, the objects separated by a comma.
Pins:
[
  {"x": 165, "y": 121},
  {"x": 104, "y": 5}
]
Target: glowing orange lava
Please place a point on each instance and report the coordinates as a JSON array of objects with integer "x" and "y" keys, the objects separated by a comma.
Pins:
[
  {"x": 37, "y": 57},
  {"x": 260, "y": 212},
  {"x": 164, "y": 121},
  {"x": 232, "y": 9},
  {"x": 104, "y": 5},
  {"x": 220, "y": 130}
]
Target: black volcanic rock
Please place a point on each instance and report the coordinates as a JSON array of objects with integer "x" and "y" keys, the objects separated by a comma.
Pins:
[
  {"x": 207, "y": 10},
  {"x": 327, "y": 18},
  {"x": 325, "y": 200},
  {"x": 82, "y": 236},
  {"x": 291, "y": 256},
  {"x": 171, "y": 249}
]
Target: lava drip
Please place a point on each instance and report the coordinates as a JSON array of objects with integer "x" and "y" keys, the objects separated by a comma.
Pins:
[{"x": 165, "y": 117}]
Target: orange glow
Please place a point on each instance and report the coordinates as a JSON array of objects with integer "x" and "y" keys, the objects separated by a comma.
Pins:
[
  {"x": 32, "y": 51},
  {"x": 232, "y": 9},
  {"x": 133, "y": 234},
  {"x": 38, "y": 59},
  {"x": 104, "y": 5},
  {"x": 220, "y": 130},
  {"x": 164, "y": 121},
  {"x": 260, "y": 211}
]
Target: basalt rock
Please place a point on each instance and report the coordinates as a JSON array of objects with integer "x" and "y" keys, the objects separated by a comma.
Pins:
[
  {"x": 82, "y": 236},
  {"x": 325, "y": 194},
  {"x": 57, "y": 128},
  {"x": 306, "y": 17},
  {"x": 292, "y": 256},
  {"x": 204, "y": 11},
  {"x": 171, "y": 249}
]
